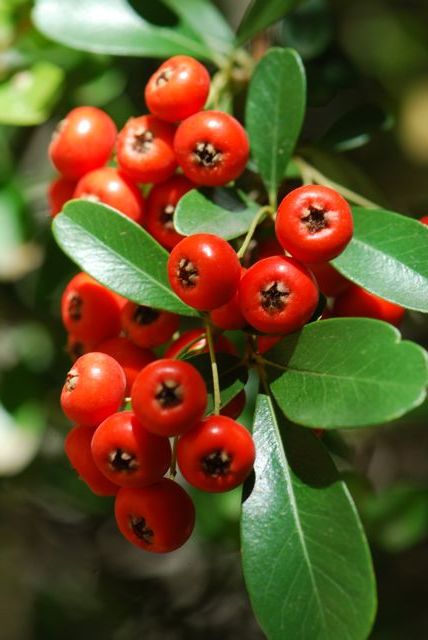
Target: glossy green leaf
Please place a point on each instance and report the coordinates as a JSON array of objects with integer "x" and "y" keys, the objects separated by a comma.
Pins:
[
  {"x": 27, "y": 97},
  {"x": 115, "y": 27},
  {"x": 118, "y": 253},
  {"x": 262, "y": 13},
  {"x": 274, "y": 114},
  {"x": 196, "y": 214},
  {"x": 232, "y": 375},
  {"x": 346, "y": 372},
  {"x": 388, "y": 255},
  {"x": 306, "y": 562}
]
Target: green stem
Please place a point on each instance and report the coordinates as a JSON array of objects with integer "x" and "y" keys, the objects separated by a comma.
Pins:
[
  {"x": 310, "y": 174},
  {"x": 214, "y": 368},
  {"x": 253, "y": 226}
]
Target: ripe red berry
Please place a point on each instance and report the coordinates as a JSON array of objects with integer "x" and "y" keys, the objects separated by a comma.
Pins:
[
  {"x": 169, "y": 397},
  {"x": 127, "y": 454},
  {"x": 424, "y": 220},
  {"x": 194, "y": 340},
  {"x": 89, "y": 310},
  {"x": 145, "y": 149},
  {"x": 314, "y": 223},
  {"x": 60, "y": 191},
  {"x": 264, "y": 343},
  {"x": 78, "y": 450},
  {"x": 159, "y": 518},
  {"x": 148, "y": 327},
  {"x": 130, "y": 357},
  {"x": 161, "y": 204},
  {"x": 77, "y": 347},
  {"x": 329, "y": 280},
  {"x": 217, "y": 455},
  {"x": 235, "y": 407},
  {"x": 278, "y": 295},
  {"x": 178, "y": 89},
  {"x": 229, "y": 315},
  {"x": 211, "y": 147},
  {"x": 83, "y": 141},
  {"x": 94, "y": 389},
  {"x": 204, "y": 271},
  {"x": 111, "y": 187},
  {"x": 359, "y": 302}
]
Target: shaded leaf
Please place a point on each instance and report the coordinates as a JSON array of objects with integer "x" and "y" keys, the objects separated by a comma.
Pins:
[
  {"x": 346, "y": 372},
  {"x": 306, "y": 562},
  {"x": 196, "y": 214},
  {"x": 262, "y": 13},
  {"x": 274, "y": 113},
  {"x": 388, "y": 256},
  {"x": 232, "y": 375},
  {"x": 357, "y": 127},
  {"x": 118, "y": 253}
]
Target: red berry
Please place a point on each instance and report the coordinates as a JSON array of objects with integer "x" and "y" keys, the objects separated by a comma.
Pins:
[
  {"x": 78, "y": 449},
  {"x": 111, "y": 187},
  {"x": 158, "y": 518},
  {"x": 83, "y": 141},
  {"x": 197, "y": 340},
  {"x": 178, "y": 89},
  {"x": 229, "y": 315},
  {"x": 235, "y": 407},
  {"x": 145, "y": 149},
  {"x": 161, "y": 204},
  {"x": 278, "y": 295},
  {"x": 148, "y": 327},
  {"x": 169, "y": 397},
  {"x": 359, "y": 302},
  {"x": 90, "y": 311},
  {"x": 217, "y": 455},
  {"x": 329, "y": 280},
  {"x": 264, "y": 343},
  {"x": 204, "y": 271},
  {"x": 211, "y": 147},
  {"x": 93, "y": 390},
  {"x": 314, "y": 223},
  {"x": 127, "y": 454},
  {"x": 130, "y": 357},
  {"x": 77, "y": 347},
  {"x": 424, "y": 220},
  {"x": 60, "y": 191}
]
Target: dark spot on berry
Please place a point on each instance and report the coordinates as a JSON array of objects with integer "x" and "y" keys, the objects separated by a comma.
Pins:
[
  {"x": 187, "y": 273},
  {"x": 217, "y": 463},
  {"x": 141, "y": 530},
  {"x": 274, "y": 297},
  {"x": 145, "y": 315},
  {"x": 315, "y": 219},
  {"x": 166, "y": 216},
  {"x": 121, "y": 460},
  {"x": 164, "y": 77},
  {"x": 206, "y": 154},
  {"x": 143, "y": 142},
  {"x": 169, "y": 393},
  {"x": 75, "y": 305}
]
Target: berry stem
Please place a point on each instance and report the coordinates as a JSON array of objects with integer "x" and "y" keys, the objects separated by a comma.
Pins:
[
  {"x": 214, "y": 368},
  {"x": 261, "y": 213},
  {"x": 310, "y": 174}
]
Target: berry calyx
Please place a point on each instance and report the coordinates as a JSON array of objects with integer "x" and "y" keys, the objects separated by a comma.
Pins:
[
  {"x": 169, "y": 397},
  {"x": 217, "y": 455},
  {"x": 159, "y": 518},
  {"x": 194, "y": 273},
  {"x": 148, "y": 327},
  {"x": 314, "y": 223}
]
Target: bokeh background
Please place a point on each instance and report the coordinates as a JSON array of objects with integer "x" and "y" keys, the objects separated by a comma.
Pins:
[{"x": 64, "y": 570}]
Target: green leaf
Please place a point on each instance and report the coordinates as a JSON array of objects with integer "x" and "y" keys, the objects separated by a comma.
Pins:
[
  {"x": 260, "y": 14},
  {"x": 388, "y": 256},
  {"x": 232, "y": 375},
  {"x": 114, "y": 27},
  {"x": 27, "y": 97},
  {"x": 118, "y": 253},
  {"x": 306, "y": 562},
  {"x": 346, "y": 372},
  {"x": 196, "y": 214},
  {"x": 274, "y": 114}
]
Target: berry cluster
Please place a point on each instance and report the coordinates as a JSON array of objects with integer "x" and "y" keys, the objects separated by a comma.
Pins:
[{"x": 128, "y": 402}]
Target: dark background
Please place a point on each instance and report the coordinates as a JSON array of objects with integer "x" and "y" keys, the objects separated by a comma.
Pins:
[{"x": 64, "y": 570}]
